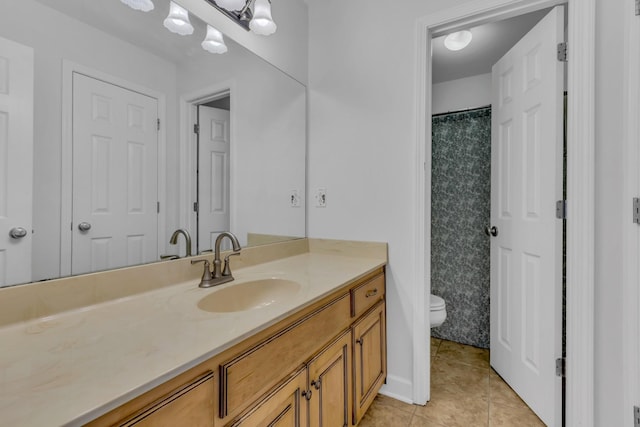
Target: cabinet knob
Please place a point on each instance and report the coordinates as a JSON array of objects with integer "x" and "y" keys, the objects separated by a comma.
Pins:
[
  {"x": 360, "y": 341},
  {"x": 307, "y": 394},
  {"x": 316, "y": 384}
]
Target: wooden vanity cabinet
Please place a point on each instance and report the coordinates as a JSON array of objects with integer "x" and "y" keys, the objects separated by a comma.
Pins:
[
  {"x": 369, "y": 360},
  {"x": 320, "y": 367}
]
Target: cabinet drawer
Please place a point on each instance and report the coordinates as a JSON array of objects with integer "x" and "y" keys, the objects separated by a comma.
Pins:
[
  {"x": 367, "y": 295},
  {"x": 191, "y": 404},
  {"x": 252, "y": 373}
]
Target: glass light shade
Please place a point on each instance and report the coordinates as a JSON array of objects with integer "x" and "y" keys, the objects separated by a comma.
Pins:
[
  {"x": 178, "y": 20},
  {"x": 262, "y": 22},
  {"x": 231, "y": 5},
  {"x": 143, "y": 5},
  {"x": 214, "y": 42},
  {"x": 458, "y": 41}
]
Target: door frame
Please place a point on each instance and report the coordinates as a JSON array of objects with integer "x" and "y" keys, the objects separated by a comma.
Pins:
[
  {"x": 631, "y": 231},
  {"x": 580, "y": 189},
  {"x": 188, "y": 163},
  {"x": 66, "y": 175}
]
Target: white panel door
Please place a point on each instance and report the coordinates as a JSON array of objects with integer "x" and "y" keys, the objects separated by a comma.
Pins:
[
  {"x": 115, "y": 172},
  {"x": 213, "y": 175},
  {"x": 526, "y": 182},
  {"x": 16, "y": 161}
]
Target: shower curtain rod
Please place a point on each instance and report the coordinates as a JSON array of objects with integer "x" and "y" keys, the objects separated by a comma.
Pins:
[{"x": 461, "y": 111}]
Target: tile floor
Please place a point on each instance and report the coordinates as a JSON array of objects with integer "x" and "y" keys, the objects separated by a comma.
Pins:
[{"x": 465, "y": 391}]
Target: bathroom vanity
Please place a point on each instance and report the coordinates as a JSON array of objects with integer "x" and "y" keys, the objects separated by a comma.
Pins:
[{"x": 307, "y": 348}]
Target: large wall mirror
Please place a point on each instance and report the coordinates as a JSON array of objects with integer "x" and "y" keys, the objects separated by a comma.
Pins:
[{"x": 115, "y": 133}]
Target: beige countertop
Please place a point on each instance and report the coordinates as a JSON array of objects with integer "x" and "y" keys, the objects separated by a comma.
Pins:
[{"x": 71, "y": 367}]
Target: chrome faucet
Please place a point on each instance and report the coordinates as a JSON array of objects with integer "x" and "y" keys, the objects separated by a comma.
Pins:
[
  {"x": 219, "y": 275},
  {"x": 185, "y": 233}
]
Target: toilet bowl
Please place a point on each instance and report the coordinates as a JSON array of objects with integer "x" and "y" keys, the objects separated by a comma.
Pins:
[{"x": 438, "y": 311}]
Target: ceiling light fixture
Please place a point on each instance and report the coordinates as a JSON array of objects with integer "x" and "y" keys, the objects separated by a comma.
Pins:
[
  {"x": 143, "y": 5},
  {"x": 458, "y": 41},
  {"x": 214, "y": 41},
  {"x": 178, "y": 20},
  {"x": 252, "y": 15}
]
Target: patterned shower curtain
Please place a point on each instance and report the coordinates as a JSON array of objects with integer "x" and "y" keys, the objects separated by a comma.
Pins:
[{"x": 460, "y": 210}]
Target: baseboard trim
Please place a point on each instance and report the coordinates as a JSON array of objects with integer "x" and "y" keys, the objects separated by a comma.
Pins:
[{"x": 398, "y": 388}]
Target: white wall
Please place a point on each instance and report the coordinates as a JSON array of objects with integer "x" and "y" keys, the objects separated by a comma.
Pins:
[
  {"x": 268, "y": 140},
  {"x": 362, "y": 87},
  {"x": 55, "y": 37},
  {"x": 461, "y": 94},
  {"x": 286, "y": 49}
]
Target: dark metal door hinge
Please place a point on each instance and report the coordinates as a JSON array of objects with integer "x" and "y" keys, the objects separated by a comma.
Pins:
[
  {"x": 561, "y": 209},
  {"x": 637, "y": 7},
  {"x": 158, "y": 122},
  {"x": 562, "y": 52},
  {"x": 158, "y": 207},
  {"x": 636, "y": 416},
  {"x": 561, "y": 367},
  {"x": 196, "y": 129},
  {"x": 636, "y": 210},
  {"x": 195, "y": 206}
]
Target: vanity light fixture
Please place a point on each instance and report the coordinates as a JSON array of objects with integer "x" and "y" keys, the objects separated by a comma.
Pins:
[
  {"x": 231, "y": 5},
  {"x": 458, "y": 40},
  {"x": 178, "y": 20},
  {"x": 143, "y": 5},
  {"x": 214, "y": 41},
  {"x": 254, "y": 15}
]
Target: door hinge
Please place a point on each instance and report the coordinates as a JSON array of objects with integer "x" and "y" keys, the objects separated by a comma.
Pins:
[
  {"x": 637, "y": 7},
  {"x": 195, "y": 206},
  {"x": 561, "y": 209},
  {"x": 562, "y": 52},
  {"x": 636, "y": 210},
  {"x": 561, "y": 367},
  {"x": 636, "y": 416},
  {"x": 158, "y": 207},
  {"x": 158, "y": 122},
  {"x": 196, "y": 129}
]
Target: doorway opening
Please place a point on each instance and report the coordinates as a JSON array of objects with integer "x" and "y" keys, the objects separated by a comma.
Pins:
[
  {"x": 209, "y": 124},
  {"x": 489, "y": 194}
]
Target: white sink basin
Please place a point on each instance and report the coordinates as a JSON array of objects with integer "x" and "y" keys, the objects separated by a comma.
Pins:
[{"x": 249, "y": 295}]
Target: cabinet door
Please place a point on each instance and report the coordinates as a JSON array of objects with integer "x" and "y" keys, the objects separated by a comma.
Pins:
[
  {"x": 370, "y": 359},
  {"x": 190, "y": 405},
  {"x": 285, "y": 406},
  {"x": 330, "y": 385}
]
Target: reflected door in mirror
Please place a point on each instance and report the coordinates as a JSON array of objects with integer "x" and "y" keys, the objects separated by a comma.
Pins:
[
  {"x": 213, "y": 175},
  {"x": 115, "y": 190},
  {"x": 16, "y": 161}
]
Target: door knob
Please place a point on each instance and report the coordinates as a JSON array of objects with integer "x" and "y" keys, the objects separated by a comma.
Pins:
[
  {"x": 491, "y": 231},
  {"x": 84, "y": 226},
  {"x": 17, "y": 233}
]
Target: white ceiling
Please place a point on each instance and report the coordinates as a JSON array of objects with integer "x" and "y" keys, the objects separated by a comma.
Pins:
[{"x": 490, "y": 42}]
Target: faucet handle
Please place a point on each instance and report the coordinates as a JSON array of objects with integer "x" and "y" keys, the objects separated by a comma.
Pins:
[
  {"x": 205, "y": 282},
  {"x": 226, "y": 271}
]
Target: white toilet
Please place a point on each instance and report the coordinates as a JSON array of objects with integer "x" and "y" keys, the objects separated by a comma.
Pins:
[{"x": 438, "y": 311}]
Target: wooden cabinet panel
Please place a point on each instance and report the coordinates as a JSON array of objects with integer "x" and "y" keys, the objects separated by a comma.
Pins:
[
  {"x": 370, "y": 364},
  {"x": 190, "y": 405},
  {"x": 330, "y": 384},
  {"x": 367, "y": 295},
  {"x": 285, "y": 406},
  {"x": 255, "y": 371}
]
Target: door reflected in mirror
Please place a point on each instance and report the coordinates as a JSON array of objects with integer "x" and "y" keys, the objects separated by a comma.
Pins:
[{"x": 104, "y": 165}]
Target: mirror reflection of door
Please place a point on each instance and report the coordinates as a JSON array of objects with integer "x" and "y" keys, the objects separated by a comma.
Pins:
[
  {"x": 115, "y": 189},
  {"x": 213, "y": 171},
  {"x": 16, "y": 161}
]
